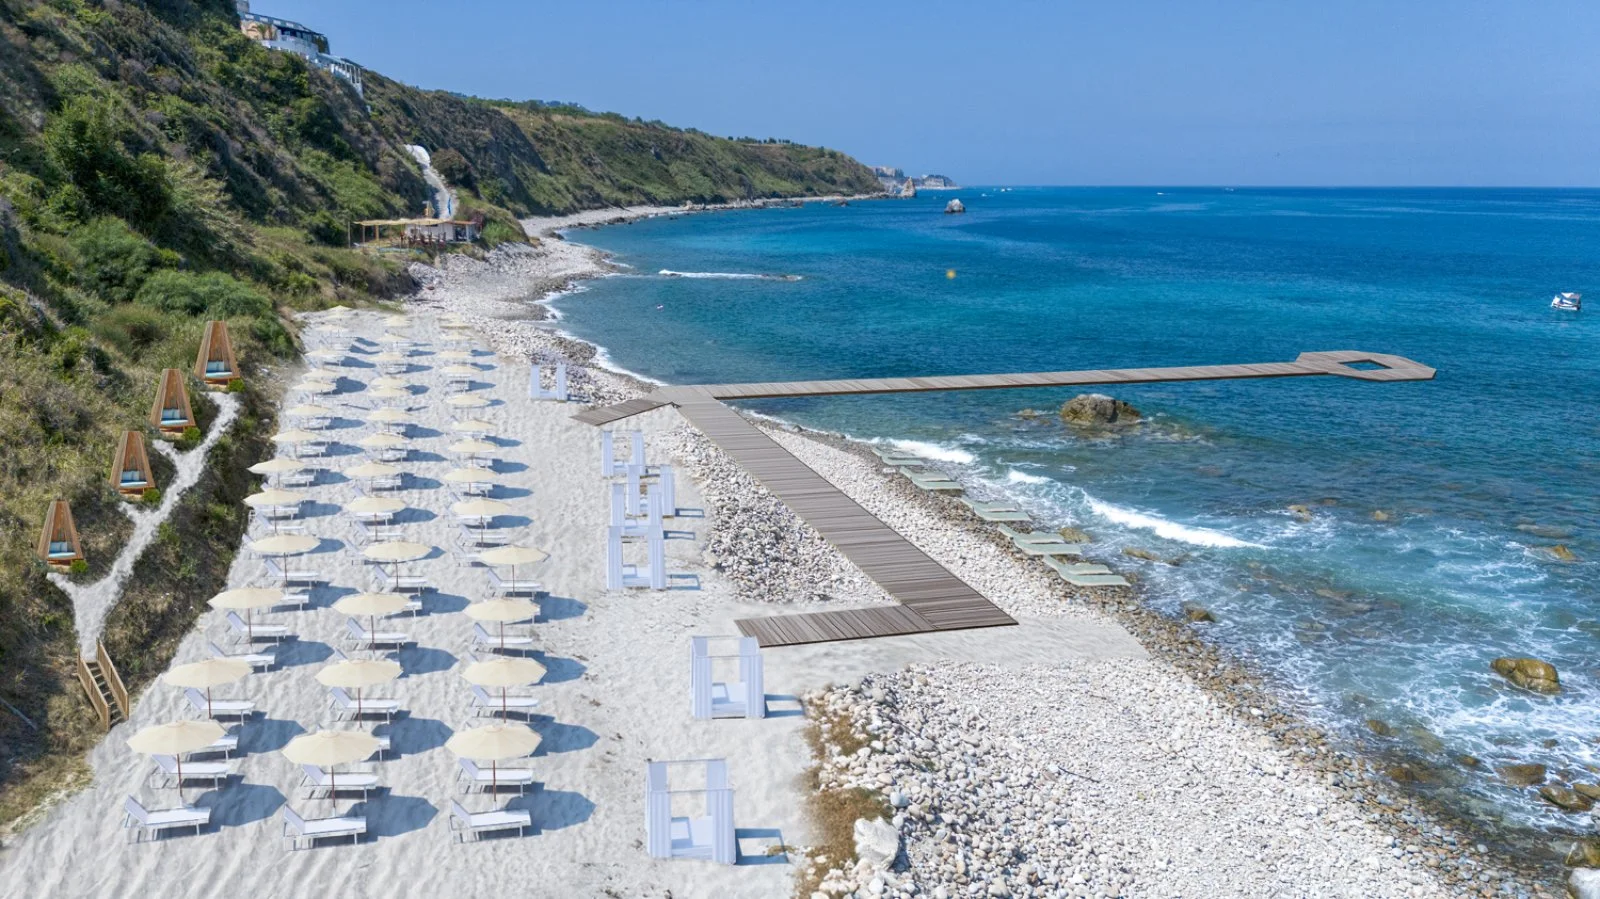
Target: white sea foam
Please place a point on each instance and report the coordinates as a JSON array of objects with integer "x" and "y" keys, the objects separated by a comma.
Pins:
[
  {"x": 1169, "y": 530},
  {"x": 1014, "y": 476},
  {"x": 935, "y": 452},
  {"x": 731, "y": 276}
]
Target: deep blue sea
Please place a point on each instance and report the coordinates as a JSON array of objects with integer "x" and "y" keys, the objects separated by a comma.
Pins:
[{"x": 1479, "y": 472}]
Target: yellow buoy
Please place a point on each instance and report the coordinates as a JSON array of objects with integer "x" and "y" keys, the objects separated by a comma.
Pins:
[{"x": 950, "y": 273}]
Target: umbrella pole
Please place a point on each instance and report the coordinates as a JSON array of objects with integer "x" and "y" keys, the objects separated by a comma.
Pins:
[
  {"x": 494, "y": 781},
  {"x": 504, "y": 711},
  {"x": 179, "y": 759},
  {"x": 333, "y": 787},
  {"x": 208, "y": 703},
  {"x": 358, "y": 707}
]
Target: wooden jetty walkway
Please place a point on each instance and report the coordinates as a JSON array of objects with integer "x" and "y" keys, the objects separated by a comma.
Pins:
[{"x": 930, "y": 598}]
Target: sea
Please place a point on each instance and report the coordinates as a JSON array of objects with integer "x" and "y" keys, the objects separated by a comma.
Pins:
[{"x": 1439, "y": 524}]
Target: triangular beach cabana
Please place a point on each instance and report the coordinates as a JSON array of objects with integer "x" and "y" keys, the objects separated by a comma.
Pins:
[
  {"x": 130, "y": 470},
  {"x": 58, "y": 542},
  {"x": 171, "y": 412},
  {"x": 215, "y": 364}
]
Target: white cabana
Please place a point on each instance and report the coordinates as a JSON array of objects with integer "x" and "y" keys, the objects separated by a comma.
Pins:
[
  {"x": 708, "y": 835},
  {"x": 729, "y": 698}
]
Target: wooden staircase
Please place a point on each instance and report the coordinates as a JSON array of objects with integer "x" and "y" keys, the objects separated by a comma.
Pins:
[{"x": 103, "y": 685}]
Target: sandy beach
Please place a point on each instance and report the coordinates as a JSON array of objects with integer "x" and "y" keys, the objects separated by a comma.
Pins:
[{"x": 1057, "y": 758}]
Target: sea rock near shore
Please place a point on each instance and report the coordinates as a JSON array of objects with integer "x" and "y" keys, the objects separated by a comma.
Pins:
[
  {"x": 1528, "y": 673},
  {"x": 1584, "y": 883},
  {"x": 1098, "y": 410},
  {"x": 1524, "y": 775},
  {"x": 1565, "y": 799},
  {"x": 1076, "y": 535}
]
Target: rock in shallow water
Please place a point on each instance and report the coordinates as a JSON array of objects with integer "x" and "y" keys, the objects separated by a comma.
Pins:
[
  {"x": 1098, "y": 410},
  {"x": 1585, "y": 883},
  {"x": 1528, "y": 673},
  {"x": 1522, "y": 775}
]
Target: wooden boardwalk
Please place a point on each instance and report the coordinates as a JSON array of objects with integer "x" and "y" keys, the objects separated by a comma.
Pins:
[{"x": 930, "y": 597}]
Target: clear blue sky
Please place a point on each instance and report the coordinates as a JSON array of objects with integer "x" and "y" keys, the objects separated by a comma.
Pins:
[{"x": 1412, "y": 92}]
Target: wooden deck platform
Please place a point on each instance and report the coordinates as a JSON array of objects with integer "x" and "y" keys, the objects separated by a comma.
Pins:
[{"x": 930, "y": 597}]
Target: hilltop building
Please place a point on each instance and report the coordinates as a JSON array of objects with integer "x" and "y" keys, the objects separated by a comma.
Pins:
[
  {"x": 293, "y": 37},
  {"x": 896, "y": 184}
]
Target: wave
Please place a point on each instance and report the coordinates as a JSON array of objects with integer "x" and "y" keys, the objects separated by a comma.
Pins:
[
  {"x": 1014, "y": 476},
  {"x": 729, "y": 276},
  {"x": 935, "y": 452},
  {"x": 1169, "y": 530}
]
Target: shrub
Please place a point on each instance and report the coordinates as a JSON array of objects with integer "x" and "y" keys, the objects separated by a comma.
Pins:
[
  {"x": 215, "y": 294},
  {"x": 236, "y": 385},
  {"x": 112, "y": 261},
  {"x": 189, "y": 439},
  {"x": 327, "y": 228},
  {"x": 151, "y": 497},
  {"x": 78, "y": 568},
  {"x": 132, "y": 329},
  {"x": 454, "y": 168},
  {"x": 96, "y": 173}
]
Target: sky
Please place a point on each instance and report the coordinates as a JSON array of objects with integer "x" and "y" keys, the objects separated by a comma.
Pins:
[{"x": 1244, "y": 92}]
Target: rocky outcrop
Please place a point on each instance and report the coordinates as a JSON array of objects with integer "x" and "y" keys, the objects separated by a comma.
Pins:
[
  {"x": 1075, "y": 535},
  {"x": 1528, "y": 673},
  {"x": 954, "y": 207},
  {"x": 1565, "y": 799},
  {"x": 1562, "y": 554},
  {"x": 1584, "y": 883},
  {"x": 1522, "y": 775},
  {"x": 1098, "y": 410},
  {"x": 1197, "y": 613}
]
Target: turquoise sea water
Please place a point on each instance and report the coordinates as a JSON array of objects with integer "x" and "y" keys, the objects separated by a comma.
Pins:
[{"x": 1479, "y": 471}]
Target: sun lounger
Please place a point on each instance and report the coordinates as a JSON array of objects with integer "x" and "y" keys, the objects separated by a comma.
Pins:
[
  {"x": 144, "y": 821},
  {"x": 1017, "y": 536},
  {"x": 463, "y": 822},
  {"x": 483, "y": 778},
  {"x": 357, "y": 635},
  {"x": 297, "y": 829},
  {"x": 505, "y": 586},
  {"x": 242, "y": 631},
  {"x": 220, "y": 708},
  {"x": 371, "y": 532},
  {"x": 216, "y": 773},
  {"x": 473, "y": 536},
  {"x": 384, "y": 582},
  {"x": 989, "y": 505},
  {"x": 485, "y": 704},
  {"x": 1095, "y": 580},
  {"x": 345, "y": 704},
  {"x": 314, "y": 779},
  {"x": 933, "y": 483},
  {"x": 994, "y": 517},
  {"x": 289, "y": 576},
  {"x": 1064, "y": 568},
  {"x": 305, "y": 477},
  {"x": 481, "y": 637},
  {"x": 256, "y": 660},
  {"x": 896, "y": 457},
  {"x": 994, "y": 511},
  {"x": 1058, "y": 548}
]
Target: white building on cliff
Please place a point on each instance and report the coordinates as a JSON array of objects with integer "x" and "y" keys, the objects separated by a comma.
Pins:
[{"x": 293, "y": 37}]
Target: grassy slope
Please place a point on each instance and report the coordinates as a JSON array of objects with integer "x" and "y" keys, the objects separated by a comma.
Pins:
[{"x": 157, "y": 169}]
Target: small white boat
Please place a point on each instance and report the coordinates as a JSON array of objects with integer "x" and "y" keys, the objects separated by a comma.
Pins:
[{"x": 1569, "y": 300}]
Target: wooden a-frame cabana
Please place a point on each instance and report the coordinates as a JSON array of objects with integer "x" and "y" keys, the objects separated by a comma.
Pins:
[
  {"x": 171, "y": 412},
  {"x": 215, "y": 364},
  {"x": 58, "y": 540},
  {"x": 130, "y": 468}
]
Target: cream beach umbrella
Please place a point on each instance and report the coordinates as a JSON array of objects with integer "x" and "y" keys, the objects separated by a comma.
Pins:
[
  {"x": 494, "y": 743},
  {"x": 316, "y": 385},
  {"x": 504, "y": 672},
  {"x": 176, "y": 738},
  {"x": 369, "y": 470},
  {"x": 470, "y": 474},
  {"x": 371, "y": 605},
  {"x": 396, "y": 321},
  {"x": 357, "y": 675},
  {"x": 395, "y": 552},
  {"x": 326, "y": 355},
  {"x": 273, "y": 497},
  {"x": 513, "y": 556},
  {"x": 389, "y": 416},
  {"x": 381, "y": 442},
  {"x": 475, "y": 426},
  {"x": 501, "y": 612},
  {"x": 247, "y": 600},
  {"x": 205, "y": 674},
  {"x": 460, "y": 371},
  {"x": 308, "y": 410},
  {"x": 390, "y": 358},
  {"x": 374, "y": 505},
  {"x": 295, "y": 437},
  {"x": 276, "y": 467},
  {"x": 466, "y": 401},
  {"x": 480, "y": 512},
  {"x": 329, "y": 748},
  {"x": 472, "y": 447},
  {"x": 389, "y": 382},
  {"x": 454, "y": 322},
  {"x": 339, "y": 311},
  {"x": 456, "y": 338},
  {"x": 285, "y": 544},
  {"x": 384, "y": 394},
  {"x": 456, "y": 356}
]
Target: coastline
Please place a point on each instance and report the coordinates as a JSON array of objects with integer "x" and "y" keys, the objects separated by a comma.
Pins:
[{"x": 1359, "y": 776}]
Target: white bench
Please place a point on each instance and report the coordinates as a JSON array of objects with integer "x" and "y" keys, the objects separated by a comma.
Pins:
[
  {"x": 297, "y": 829},
  {"x": 463, "y": 822},
  {"x": 142, "y": 820}
]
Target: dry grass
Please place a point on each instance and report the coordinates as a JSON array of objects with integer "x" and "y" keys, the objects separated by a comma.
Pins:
[{"x": 833, "y": 812}]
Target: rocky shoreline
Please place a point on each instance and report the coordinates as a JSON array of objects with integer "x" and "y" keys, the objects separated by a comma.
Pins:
[{"x": 955, "y": 829}]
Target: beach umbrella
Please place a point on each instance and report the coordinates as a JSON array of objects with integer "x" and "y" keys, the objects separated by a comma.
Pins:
[
  {"x": 513, "y": 556},
  {"x": 278, "y": 466},
  {"x": 328, "y": 748},
  {"x": 371, "y": 605},
  {"x": 456, "y": 338},
  {"x": 389, "y": 393},
  {"x": 480, "y": 508},
  {"x": 247, "y": 600},
  {"x": 396, "y": 321},
  {"x": 504, "y": 672},
  {"x": 339, "y": 311},
  {"x": 389, "y": 416},
  {"x": 501, "y": 611},
  {"x": 389, "y": 382},
  {"x": 176, "y": 738},
  {"x": 274, "y": 497},
  {"x": 456, "y": 356},
  {"x": 367, "y": 470},
  {"x": 326, "y": 355},
  {"x": 470, "y": 474},
  {"x": 472, "y": 426},
  {"x": 472, "y": 447},
  {"x": 285, "y": 545},
  {"x": 205, "y": 674},
  {"x": 316, "y": 385},
  {"x": 466, "y": 401},
  {"x": 374, "y": 505},
  {"x": 357, "y": 675},
  {"x": 461, "y": 371},
  {"x": 494, "y": 743},
  {"x": 454, "y": 322},
  {"x": 382, "y": 441},
  {"x": 295, "y": 437},
  {"x": 390, "y": 358},
  {"x": 308, "y": 410},
  {"x": 396, "y": 551}
]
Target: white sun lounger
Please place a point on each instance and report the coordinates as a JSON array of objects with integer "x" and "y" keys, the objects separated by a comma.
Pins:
[
  {"x": 371, "y": 532},
  {"x": 1095, "y": 580},
  {"x": 483, "y": 778},
  {"x": 292, "y": 575},
  {"x": 1017, "y": 536},
  {"x": 505, "y": 586},
  {"x": 314, "y": 779},
  {"x": 345, "y": 704},
  {"x": 144, "y": 821},
  {"x": 384, "y": 582},
  {"x": 242, "y": 631},
  {"x": 463, "y": 822},
  {"x": 1065, "y": 568},
  {"x": 485, "y": 704},
  {"x": 482, "y": 637},
  {"x": 305, "y": 477},
  {"x": 297, "y": 829},
  {"x": 256, "y": 660},
  {"x": 357, "y": 635},
  {"x": 475, "y": 536},
  {"x": 220, "y": 708},
  {"x": 1058, "y": 548},
  {"x": 217, "y": 773}
]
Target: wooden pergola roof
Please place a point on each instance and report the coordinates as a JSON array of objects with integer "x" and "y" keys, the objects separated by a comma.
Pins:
[
  {"x": 131, "y": 456},
  {"x": 215, "y": 346},
  {"x": 58, "y": 528},
  {"x": 171, "y": 394}
]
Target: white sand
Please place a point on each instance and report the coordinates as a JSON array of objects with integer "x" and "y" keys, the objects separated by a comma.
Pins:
[{"x": 617, "y": 694}]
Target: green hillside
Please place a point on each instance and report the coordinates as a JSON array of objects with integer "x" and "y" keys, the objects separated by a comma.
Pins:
[{"x": 158, "y": 169}]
